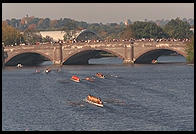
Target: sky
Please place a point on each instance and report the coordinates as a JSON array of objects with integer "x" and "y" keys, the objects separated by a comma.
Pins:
[{"x": 99, "y": 12}]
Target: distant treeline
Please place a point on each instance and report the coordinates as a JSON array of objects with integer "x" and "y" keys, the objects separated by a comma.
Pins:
[
  {"x": 45, "y": 24},
  {"x": 11, "y": 29}
]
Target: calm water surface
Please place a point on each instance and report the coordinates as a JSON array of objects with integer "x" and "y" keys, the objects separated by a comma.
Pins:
[{"x": 136, "y": 97}]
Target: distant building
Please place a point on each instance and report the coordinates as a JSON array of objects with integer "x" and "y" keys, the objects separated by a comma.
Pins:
[
  {"x": 56, "y": 35},
  {"x": 85, "y": 34},
  {"x": 81, "y": 35}
]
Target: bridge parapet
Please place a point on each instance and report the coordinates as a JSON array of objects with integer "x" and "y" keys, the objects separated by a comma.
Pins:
[
  {"x": 160, "y": 44},
  {"x": 105, "y": 44}
]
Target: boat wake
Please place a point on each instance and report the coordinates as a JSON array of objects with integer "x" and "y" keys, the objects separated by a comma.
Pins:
[
  {"x": 76, "y": 103},
  {"x": 114, "y": 101},
  {"x": 63, "y": 81}
]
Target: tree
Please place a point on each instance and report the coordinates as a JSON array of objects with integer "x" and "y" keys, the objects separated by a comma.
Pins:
[
  {"x": 127, "y": 33},
  {"x": 141, "y": 29},
  {"x": 31, "y": 27},
  {"x": 67, "y": 36},
  {"x": 10, "y": 35},
  {"x": 47, "y": 39},
  {"x": 190, "y": 51},
  {"x": 31, "y": 38},
  {"x": 178, "y": 29},
  {"x": 148, "y": 30},
  {"x": 53, "y": 23},
  {"x": 129, "y": 21}
]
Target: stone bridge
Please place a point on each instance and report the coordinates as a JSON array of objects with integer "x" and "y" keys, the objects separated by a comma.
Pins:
[{"x": 80, "y": 53}]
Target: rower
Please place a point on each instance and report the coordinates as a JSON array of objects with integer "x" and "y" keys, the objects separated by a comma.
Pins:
[
  {"x": 37, "y": 71},
  {"x": 47, "y": 70}
]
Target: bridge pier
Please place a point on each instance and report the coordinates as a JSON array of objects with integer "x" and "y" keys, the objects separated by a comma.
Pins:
[
  {"x": 128, "y": 62},
  {"x": 57, "y": 54},
  {"x": 129, "y": 54},
  {"x": 3, "y": 58}
]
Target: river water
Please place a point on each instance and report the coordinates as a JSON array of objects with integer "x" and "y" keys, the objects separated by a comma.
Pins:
[{"x": 139, "y": 97}]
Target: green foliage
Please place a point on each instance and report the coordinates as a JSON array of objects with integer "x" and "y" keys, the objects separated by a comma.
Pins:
[
  {"x": 174, "y": 29},
  {"x": 190, "y": 51},
  {"x": 147, "y": 30},
  {"x": 141, "y": 29},
  {"x": 127, "y": 33},
  {"x": 67, "y": 36},
  {"x": 31, "y": 38},
  {"x": 31, "y": 24},
  {"x": 178, "y": 29}
]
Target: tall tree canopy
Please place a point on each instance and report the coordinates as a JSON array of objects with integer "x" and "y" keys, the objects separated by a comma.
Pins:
[
  {"x": 178, "y": 29},
  {"x": 10, "y": 35},
  {"x": 147, "y": 30},
  {"x": 190, "y": 50},
  {"x": 141, "y": 29}
]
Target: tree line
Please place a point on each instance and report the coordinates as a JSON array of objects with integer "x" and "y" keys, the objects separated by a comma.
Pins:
[
  {"x": 190, "y": 51},
  {"x": 175, "y": 28},
  {"x": 11, "y": 29}
]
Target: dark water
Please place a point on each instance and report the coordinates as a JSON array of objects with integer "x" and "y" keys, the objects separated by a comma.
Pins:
[{"x": 136, "y": 97}]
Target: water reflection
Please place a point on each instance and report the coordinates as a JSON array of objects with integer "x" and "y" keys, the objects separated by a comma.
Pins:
[
  {"x": 171, "y": 59},
  {"x": 106, "y": 61}
]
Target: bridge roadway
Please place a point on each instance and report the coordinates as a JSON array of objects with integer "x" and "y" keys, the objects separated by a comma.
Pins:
[{"x": 80, "y": 53}]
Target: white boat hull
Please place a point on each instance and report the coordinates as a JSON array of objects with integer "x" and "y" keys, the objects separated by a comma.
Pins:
[{"x": 100, "y": 105}]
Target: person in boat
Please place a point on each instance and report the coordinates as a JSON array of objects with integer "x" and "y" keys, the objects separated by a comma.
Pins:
[
  {"x": 75, "y": 78},
  {"x": 37, "y": 71},
  {"x": 100, "y": 75},
  {"x": 154, "y": 61},
  {"x": 94, "y": 99},
  {"x": 47, "y": 70},
  {"x": 19, "y": 65},
  {"x": 89, "y": 79}
]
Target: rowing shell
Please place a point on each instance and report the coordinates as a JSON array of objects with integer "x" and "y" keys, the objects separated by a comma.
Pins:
[
  {"x": 75, "y": 80},
  {"x": 100, "y": 105}
]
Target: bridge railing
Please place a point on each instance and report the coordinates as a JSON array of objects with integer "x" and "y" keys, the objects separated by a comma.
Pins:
[{"x": 105, "y": 44}]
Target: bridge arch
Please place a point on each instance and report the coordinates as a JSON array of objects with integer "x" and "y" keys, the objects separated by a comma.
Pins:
[
  {"x": 87, "y": 35},
  {"x": 92, "y": 49},
  {"x": 148, "y": 55},
  {"x": 11, "y": 56}
]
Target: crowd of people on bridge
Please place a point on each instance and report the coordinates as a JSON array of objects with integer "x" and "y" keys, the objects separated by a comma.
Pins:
[
  {"x": 132, "y": 40},
  {"x": 128, "y": 40}
]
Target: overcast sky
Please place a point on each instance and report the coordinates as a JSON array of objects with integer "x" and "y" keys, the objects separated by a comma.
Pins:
[{"x": 99, "y": 12}]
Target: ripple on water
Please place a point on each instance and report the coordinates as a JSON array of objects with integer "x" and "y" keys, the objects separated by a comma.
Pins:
[{"x": 143, "y": 97}]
